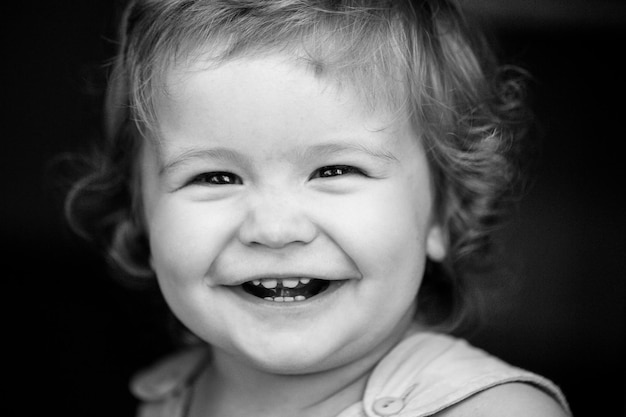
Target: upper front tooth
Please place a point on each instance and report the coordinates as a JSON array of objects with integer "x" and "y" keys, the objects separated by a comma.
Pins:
[
  {"x": 290, "y": 282},
  {"x": 256, "y": 282},
  {"x": 269, "y": 283},
  {"x": 305, "y": 280}
]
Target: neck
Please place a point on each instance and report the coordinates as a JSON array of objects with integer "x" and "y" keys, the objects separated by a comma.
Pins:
[{"x": 231, "y": 387}]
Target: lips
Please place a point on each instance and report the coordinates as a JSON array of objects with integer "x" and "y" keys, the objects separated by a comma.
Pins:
[{"x": 286, "y": 289}]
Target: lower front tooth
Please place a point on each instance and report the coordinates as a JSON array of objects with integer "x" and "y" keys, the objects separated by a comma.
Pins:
[{"x": 285, "y": 299}]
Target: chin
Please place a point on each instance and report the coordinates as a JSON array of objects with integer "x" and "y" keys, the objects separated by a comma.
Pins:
[{"x": 291, "y": 358}]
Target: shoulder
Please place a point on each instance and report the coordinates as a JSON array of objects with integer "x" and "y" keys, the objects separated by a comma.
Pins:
[
  {"x": 512, "y": 400},
  {"x": 431, "y": 374},
  {"x": 169, "y": 376}
]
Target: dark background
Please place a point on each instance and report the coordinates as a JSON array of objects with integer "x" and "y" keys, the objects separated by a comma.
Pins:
[{"x": 75, "y": 336}]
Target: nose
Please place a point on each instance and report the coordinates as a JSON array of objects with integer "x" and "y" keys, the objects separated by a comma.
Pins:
[{"x": 276, "y": 221}]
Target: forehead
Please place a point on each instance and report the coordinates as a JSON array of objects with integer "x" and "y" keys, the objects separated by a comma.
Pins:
[
  {"x": 253, "y": 81},
  {"x": 271, "y": 86},
  {"x": 377, "y": 89},
  {"x": 276, "y": 100}
]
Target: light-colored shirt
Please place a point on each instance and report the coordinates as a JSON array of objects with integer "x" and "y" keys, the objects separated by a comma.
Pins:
[{"x": 423, "y": 375}]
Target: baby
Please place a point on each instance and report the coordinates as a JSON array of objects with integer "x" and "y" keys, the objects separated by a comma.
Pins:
[{"x": 310, "y": 183}]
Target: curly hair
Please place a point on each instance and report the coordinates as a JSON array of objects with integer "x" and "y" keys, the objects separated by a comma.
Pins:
[{"x": 419, "y": 58}]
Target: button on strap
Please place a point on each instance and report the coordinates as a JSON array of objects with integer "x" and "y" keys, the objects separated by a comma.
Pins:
[{"x": 388, "y": 406}]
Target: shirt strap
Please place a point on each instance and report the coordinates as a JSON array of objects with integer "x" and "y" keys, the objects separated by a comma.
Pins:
[{"x": 170, "y": 376}]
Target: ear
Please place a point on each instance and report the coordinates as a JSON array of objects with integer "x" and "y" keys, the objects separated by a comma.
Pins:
[{"x": 436, "y": 247}]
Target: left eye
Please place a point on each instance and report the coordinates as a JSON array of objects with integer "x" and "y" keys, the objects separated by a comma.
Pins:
[
  {"x": 217, "y": 178},
  {"x": 335, "y": 171}
]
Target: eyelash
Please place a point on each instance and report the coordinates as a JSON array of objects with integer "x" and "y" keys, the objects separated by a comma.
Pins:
[
  {"x": 228, "y": 178},
  {"x": 336, "y": 171},
  {"x": 217, "y": 178}
]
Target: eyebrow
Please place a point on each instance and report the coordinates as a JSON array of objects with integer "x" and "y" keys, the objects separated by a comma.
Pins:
[
  {"x": 310, "y": 153},
  {"x": 329, "y": 149},
  {"x": 219, "y": 154}
]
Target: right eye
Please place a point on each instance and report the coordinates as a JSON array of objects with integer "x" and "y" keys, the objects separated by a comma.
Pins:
[{"x": 216, "y": 178}]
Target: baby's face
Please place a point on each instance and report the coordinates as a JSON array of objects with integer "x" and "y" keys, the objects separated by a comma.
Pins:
[{"x": 288, "y": 224}]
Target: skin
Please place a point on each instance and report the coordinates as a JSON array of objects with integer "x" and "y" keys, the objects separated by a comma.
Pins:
[
  {"x": 311, "y": 184},
  {"x": 511, "y": 400},
  {"x": 264, "y": 169}
]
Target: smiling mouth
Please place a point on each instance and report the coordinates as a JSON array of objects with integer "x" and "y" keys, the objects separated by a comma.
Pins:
[{"x": 285, "y": 290}]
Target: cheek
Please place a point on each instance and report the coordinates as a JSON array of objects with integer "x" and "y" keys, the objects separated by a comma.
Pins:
[
  {"x": 384, "y": 232},
  {"x": 185, "y": 238}
]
